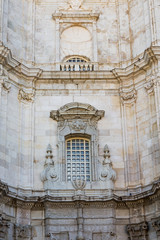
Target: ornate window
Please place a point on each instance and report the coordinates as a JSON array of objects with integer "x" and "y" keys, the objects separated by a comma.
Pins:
[
  {"x": 77, "y": 127},
  {"x": 78, "y": 159}
]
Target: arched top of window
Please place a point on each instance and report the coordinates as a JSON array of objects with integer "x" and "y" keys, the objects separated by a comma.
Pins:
[{"x": 76, "y": 59}]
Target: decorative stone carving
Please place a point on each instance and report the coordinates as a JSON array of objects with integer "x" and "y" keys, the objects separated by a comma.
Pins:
[
  {"x": 156, "y": 225},
  {"x": 4, "y": 226},
  {"x": 79, "y": 186},
  {"x": 6, "y": 85},
  {"x": 24, "y": 96},
  {"x": 75, "y": 4},
  {"x": 77, "y": 111},
  {"x": 128, "y": 96},
  {"x": 23, "y": 232},
  {"x": 107, "y": 173},
  {"x": 49, "y": 175},
  {"x": 77, "y": 119},
  {"x": 78, "y": 125},
  {"x": 138, "y": 231},
  {"x": 149, "y": 86}
]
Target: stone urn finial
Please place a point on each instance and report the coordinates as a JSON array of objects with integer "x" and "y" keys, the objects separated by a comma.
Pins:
[
  {"x": 49, "y": 174},
  {"x": 108, "y": 175}
]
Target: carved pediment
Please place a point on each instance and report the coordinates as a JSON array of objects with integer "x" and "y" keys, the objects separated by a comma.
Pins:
[{"x": 75, "y": 111}]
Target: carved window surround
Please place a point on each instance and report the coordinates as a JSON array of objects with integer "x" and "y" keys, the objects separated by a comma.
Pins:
[
  {"x": 77, "y": 119},
  {"x": 66, "y": 19}
]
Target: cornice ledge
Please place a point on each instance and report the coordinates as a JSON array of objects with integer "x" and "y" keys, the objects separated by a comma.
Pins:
[
  {"x": 12, "y": 198},
  {"x": 79, "y": 14},
  {"x": 12, "y": 64},
  {"x": 150, "y": 55},
  {"x": 149, "y": 193}
]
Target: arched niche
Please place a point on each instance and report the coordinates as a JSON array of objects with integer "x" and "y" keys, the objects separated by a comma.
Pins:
[{"x": 75, "y": 40}]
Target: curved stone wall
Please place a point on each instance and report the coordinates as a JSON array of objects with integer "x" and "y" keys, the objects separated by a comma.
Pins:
[
  {"x": 124, "y": 30},
  {"x": 113, "y": 101}
]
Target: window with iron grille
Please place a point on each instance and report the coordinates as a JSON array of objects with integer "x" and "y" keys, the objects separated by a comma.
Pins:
[{"x": 78, "y": 159}]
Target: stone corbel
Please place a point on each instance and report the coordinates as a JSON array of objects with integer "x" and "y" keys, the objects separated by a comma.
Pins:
[
  {"x": 149, "y": 85},
  {"x": 138, "y": 231},
  {"x": 6, "y": 85},
  {"x": 128, "y": 96},
  {"x": 25, "y": 96}
]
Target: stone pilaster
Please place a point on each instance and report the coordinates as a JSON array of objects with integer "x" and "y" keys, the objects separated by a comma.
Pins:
[{"x": 131, "y": 152}]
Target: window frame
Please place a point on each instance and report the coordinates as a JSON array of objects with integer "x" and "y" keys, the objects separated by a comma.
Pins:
[
  {"x": 86, "y": 176},
  {"x": 81, "y": 58},
  {"x": 77, "y": 119}
]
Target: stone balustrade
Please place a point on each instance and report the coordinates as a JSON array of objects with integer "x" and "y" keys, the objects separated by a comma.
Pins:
[{"x": 80, "y": 66}]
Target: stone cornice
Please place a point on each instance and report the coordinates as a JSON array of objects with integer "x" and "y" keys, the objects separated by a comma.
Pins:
[
  {"x": 76, "y": 110},
  {"x": 34, "y": 201},
  {"x": 80, "y": 15},
  {"x": 151, "y": 55},
  {"x": 12, "y": 64}
]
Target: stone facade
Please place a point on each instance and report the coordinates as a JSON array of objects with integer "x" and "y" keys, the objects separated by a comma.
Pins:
[{"x": 87, "y": 70}]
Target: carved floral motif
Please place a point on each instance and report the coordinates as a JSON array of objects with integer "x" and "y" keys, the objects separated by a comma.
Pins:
[
  {"x": 137, "y": 231},
  {"x": 24, "y": 96},
  {"x": 49, "y": 173},
  {"x": 77, "y": 125}
]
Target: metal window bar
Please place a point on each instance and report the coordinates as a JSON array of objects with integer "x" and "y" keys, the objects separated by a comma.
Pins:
[{"x": 78, "y": 159}]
